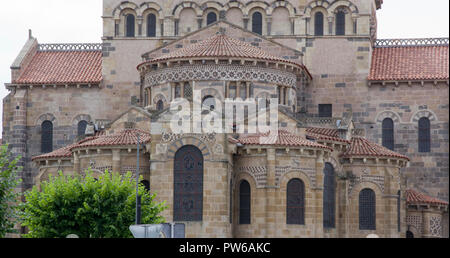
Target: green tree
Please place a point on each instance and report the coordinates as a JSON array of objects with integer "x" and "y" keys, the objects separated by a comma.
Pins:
[
  {"x": 8, "y": 193},
  {"x": 87, "y": 207}
]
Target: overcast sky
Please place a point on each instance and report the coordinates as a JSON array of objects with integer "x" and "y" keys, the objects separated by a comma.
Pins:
[{"x": 76, "y": 21}]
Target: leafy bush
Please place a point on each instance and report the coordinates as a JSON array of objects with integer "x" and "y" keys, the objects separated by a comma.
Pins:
[
  {"x": 87, "y": 207},
  {"x": 8, "y": 194}
]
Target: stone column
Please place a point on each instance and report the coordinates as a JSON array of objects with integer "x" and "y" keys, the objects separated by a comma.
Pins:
[
  {"x": 270, "y": 194},
  {"x": 140, "y": 21},
  {"x": 76, "y": 163},
  {"x": 330, "y": 25},
  {"x": 161, "y": 22},
  {"x": 318, "y": 196},
  {"x": 116, "y": 27},
  {"x": 116, "y": 161},
  {"x": 246, "y": 20},
  {"x": 292, "y": 19},
  {"x": 269, "y": 25},
  {"x": 307, "y": 19},
  {"x": 18, "y": 142}
]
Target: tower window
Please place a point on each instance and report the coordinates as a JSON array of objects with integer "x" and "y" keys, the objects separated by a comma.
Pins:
[
  {"x": 325, "y": 110},
  {"x": 340, "y": 23},
  {"x": 211, "y": 18},
  {"x": 318, "y": 24},
  {"x": 47, "y": 137},
  {"x": 257, "y": 23},
  {"x": 424, "y": 135},
  {"x": 82, "y": 128},
  {"x": 130, "y": 25},
  {"x": 388, "y": 133},
  {"x": 151, "y": 25}
]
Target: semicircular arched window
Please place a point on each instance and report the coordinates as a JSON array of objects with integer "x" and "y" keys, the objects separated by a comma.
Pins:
[
  {"x": 188, "y": 184},
  {"x": 424, "y": 135},
  {"x": 209, "y": 103},
  {"x": 160, "y": 105},
  {"x": 318, "y": 24},
  {"x": 46, "y": 137},
  {"x": 329, "y": 197},
  {"x": 130, "y": 25},
  {"x": 211, "y": 18},
  {"x": 340, "y": 23},
  {"x": 151, "y": 25},
  {"x": 257, "y": 23},
  {"x": 388, "y": 133},
  {"x": 295, "y": 202},
  {"x": 244, "y": 203},
  {"x": 82, "y": 127},
  {"x": 367, "y": 210}
]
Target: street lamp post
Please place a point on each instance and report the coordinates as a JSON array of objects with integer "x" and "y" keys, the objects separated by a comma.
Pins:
[{"x": 138, "y": 204}]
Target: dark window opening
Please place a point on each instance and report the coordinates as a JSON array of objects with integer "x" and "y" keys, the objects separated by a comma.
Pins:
[
  {"x": 295, "y": 202},
  {"x": 340, "y": 23},
  {"x": 188, "y": 184},
  {"x": 146, "y": 185},
  {"x": 160, "y": 105},
  {"x": 409, "y": 234},
  {"x": 211, "y": 18},
  {"x": 388, "y": 133},
  {"x": 244, "y": 203},
  {"x": 82, "y": 128},
  {"x": 318, "y": 24},
  {"x": 367, "y": 210},
  {"x": 47, "y": 137},
  {"x": 325, "y": 110},
  {"x": 151, "y": 25},
  {"x": 257, "y": 21},
  {"x": 130, "y": 25},
  {"x": 424, "y": 135}
]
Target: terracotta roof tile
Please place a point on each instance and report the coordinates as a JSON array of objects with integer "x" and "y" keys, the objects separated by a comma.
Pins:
[
  {"x": 283, "y": 138},
  {"x": 221, "y": 45},
  {"x": 415, "y": 197},
  {"x": 360, "y": 147},
  {"x": 122, "y": 138},
  {"x": 405, "y": 63},
  {"x": 325, "y": 134},
  {"x": 63, "y": 67},
  {"x": 64, "y": 152}
]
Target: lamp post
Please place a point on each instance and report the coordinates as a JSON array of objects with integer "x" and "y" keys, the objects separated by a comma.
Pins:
[{"x": 138, "y": 204}]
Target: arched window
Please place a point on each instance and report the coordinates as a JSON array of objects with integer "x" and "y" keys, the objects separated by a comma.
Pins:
[
  {"x": 388, "y": 133},
  {"x": 244, "y": 203},
  {"x": 151, "y": 25},
  {"x": 318, "y": 24},
  {"x": 187, "y": 91},
  {"x": 424, "y": 135},
  {"x": 177, "y": 91},
  {"x": 160, "y": 105},
  {"x": 130, "y": 25},
  {"x": 211, "y": 18},
  {"x": 367, "y": 210},
  {"x": 209, "y": 103},
  {"x": 329, "y": 197},
  {"x": 188, "y": 184},
  {"x": 146, "y": 184},
  {"x": 257, "y": 21},
  {"x": 82, "y": 128},
  {"x": 340, "y": 23},
  {"x": 295, "y": 202},
  {"x": 47, "y": 137},
  {"x": 409, "y": 234}
]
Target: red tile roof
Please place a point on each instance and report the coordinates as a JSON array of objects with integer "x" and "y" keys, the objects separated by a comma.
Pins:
[
  {"x": 223, "y": 46},
  {"x": 325, "y": 134},
  {"x": 63, "y": 67},
  {"x": 283, "y": 138},
  {"x": 415, "y": 197},
  {"x": 360, "y": 147},
  {"x": 64, "y": 152},
  {"x": 405, "y": 63},
  {"x": 122, "y": 138}
]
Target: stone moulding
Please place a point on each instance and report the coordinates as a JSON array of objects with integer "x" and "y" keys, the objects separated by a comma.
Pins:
[
  {"x": 220, "y": 72},
  {"x": 411, "y": 42},
  {"x": 71, "y": 47}
]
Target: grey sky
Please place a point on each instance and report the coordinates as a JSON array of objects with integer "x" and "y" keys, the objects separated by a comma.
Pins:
[{"x": 74, "y": 21}]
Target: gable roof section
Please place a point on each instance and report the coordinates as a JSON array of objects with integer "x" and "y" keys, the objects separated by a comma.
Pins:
[
  {"x": 325, "y": 134},
  {"x": 409, "y": 63},
  {"x": 361, "y": 147},
  {"x": 415, "y": 197},
  {"x": 63, "y": 67},
  {"x": 124, "y": 137}
]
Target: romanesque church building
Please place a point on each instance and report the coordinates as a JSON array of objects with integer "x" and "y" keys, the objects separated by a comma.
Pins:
[{"x": 363, "y": 131}]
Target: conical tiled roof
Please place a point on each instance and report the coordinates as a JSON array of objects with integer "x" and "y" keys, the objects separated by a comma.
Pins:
[
  {"x": 361, "y": 147},
  {"x": 415, "y": 197},
  {"x": 221, "y": 46}
]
